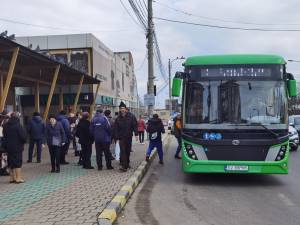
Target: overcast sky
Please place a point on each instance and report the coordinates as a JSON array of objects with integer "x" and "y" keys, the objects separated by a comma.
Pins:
[{"x": 110, "y": 22}]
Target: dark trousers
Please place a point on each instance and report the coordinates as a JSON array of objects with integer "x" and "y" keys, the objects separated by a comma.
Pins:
[
  {"x": 55, "y": 156},
  {"x": 86, "y": 153},
  {"x": 141, "y": 136},
  {"x": 125, "y": 148},
  {"x": 179, "y": 146},
  {"x": 100, "y": 148},
  {"x": 63, "y": 152},
  {"x": 158, "y": 146},
  {"x": 38, "y": 148}
]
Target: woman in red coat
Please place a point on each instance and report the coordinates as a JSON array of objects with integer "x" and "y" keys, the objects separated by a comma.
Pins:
[{"x": 141, "y": 129}]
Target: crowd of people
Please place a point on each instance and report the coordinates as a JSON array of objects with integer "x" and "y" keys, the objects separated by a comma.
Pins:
[{"x": 61, "y": 130}]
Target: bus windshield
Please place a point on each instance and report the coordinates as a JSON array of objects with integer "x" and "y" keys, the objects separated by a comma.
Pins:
[{"x": 231, "y": 102}]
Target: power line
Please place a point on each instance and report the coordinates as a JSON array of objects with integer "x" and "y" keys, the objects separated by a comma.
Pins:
[
  {"x": 56, "y": 28},
  {"x": 142, "y": 64},
  {"x": 225, "y": 27},
  {"x": 130, "y": 14},
  {"x": 224, "y": 20}
]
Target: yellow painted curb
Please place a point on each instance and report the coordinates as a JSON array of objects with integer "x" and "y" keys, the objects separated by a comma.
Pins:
[
  {"x": 127, "y": 188},
  {"x": 109, "y": 214},
  {"x": 120, "y": 199}
]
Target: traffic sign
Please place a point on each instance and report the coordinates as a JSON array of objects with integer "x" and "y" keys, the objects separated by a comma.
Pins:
[{"x": 149, "y": 99}]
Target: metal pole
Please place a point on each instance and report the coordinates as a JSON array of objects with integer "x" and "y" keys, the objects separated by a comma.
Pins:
[{"x": 150, "y": 56}]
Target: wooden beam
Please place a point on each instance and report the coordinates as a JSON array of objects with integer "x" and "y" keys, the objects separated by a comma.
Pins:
[
  {"x": 37, "y": 97},
  {"x": 52, "y": 88},
  {"x": 78, "y": 94},
  {"x": 94, "y": 101},
  {"x": 61, "y": 99},
  {"x": 33, "y": 80},
  {"x": 9, "y": 78}
]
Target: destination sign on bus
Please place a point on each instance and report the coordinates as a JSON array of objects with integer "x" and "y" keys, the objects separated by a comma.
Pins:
[{"x": 236, "y": 72}]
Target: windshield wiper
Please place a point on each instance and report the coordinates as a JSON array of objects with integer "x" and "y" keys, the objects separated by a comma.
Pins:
[{"x": 257, "y": 124}]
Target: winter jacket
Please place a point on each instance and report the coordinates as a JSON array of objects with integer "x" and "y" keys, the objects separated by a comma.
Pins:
[
  {"x": 56, "y": 131},
  {"x": 63, "y": 119},
  {"x": 125, "y": 126},
  {"x": 155, "y": 129},
  {"x": 141, "y": 125},
  {"x": 177, "y": 129},
  {"x": 100, "y": 129},
  {"x": 83, "y": 133},
  {"x": 14, "y": 136},
  {"x": 36, "y": 128}
]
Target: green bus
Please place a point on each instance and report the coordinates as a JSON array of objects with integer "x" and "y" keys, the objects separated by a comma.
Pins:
[{"x": 235, "y": 113}]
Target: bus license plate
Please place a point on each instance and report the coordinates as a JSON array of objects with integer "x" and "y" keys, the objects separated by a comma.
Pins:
[{"x": 236, "y": 168}]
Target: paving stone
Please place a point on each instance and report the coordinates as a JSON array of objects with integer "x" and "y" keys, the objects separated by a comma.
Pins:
[{"x": 75, "y": 196}]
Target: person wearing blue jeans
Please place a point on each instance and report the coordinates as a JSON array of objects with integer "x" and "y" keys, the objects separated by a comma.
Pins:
[
  {"x": 37, "y": 131},
  {"x": 155, "y": 128}
]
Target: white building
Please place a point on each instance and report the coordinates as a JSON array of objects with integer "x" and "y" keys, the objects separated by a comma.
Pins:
[{"x": 86, "y": 53}]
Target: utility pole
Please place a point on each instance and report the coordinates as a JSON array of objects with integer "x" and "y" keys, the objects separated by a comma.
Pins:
[{"x": 150, "y": 56}]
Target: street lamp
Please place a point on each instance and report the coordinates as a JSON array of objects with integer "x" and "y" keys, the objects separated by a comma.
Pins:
[{"x": 170, "y": 67}]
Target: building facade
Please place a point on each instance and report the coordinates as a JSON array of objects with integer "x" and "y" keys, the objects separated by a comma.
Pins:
[{"x": 86, "y": 53}]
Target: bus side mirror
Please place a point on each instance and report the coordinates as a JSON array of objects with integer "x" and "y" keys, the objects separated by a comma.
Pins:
[
  {"x": 176, "y": 86},
  {"x": 292, "y": 88}
]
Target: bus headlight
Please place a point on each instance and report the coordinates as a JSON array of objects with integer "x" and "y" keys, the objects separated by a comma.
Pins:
[
  {"x": 190, "y": 151},
  {"x": 281, "y": 153}
]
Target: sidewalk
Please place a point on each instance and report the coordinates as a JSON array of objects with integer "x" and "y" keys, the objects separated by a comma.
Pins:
[{"x": 75, "y": 196}]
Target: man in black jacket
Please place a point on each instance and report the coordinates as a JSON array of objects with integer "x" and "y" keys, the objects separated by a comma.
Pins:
[
  {"x": 85, "y": 140},
  {"x": 37, "y": 131},
  {"x": 125, "y": 125},
  {"x": 155, "y": 128}
]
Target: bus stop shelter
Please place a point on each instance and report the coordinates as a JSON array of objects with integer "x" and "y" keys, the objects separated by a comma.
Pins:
[{"x": 23, "y": 67}]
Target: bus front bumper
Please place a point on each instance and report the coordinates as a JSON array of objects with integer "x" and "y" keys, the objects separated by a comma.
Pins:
[{"x": 242, "y": 167}]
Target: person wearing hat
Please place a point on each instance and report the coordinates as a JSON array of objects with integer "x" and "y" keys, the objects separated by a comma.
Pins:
[
  {"x": 101, "y": 132},
  {"x": 63, "y": 119},
  {"x": 14, "y": 138},
  {"x": 37, "y": 131},
  {"x": 85, "y": 139},
  {"x": 125, "y": 125}
]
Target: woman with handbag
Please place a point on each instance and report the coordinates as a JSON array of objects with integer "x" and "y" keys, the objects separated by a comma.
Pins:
[{"x": 56, "y": 138}]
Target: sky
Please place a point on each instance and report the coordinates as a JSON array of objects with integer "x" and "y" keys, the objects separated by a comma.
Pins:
[{"x": 111, "y": 23}]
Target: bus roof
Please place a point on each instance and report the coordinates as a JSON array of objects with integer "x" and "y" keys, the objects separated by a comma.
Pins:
[{"x": 233, "y": 59}]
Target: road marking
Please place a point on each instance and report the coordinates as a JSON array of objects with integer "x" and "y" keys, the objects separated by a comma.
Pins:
[{"x": 286, "y": 200}]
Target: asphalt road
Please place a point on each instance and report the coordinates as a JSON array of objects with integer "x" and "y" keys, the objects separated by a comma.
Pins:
[{"x": 167, "y": 197}]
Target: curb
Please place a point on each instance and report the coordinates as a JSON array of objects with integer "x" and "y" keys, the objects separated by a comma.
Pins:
[{"x": 110, "y": 213}]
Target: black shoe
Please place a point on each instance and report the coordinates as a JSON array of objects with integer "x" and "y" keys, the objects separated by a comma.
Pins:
[
  {"x": 177, "y": 157},
  {"x": 29, "y": 161},
  {"x": 147, "y": 158},
  {"x": 80, "y": 162},
  {"x": 112, "y": 158},
  {"x": 88, "y": 167},
  {"x": 110, "y": 168},
  {"x": 161, "y": 162},
  {"x": 52, "y": 171},
  {"x": 64, "y": 163},
  {"x": 123, "y": 169},
  {"x": 99, "y": 168},
  {"x": 57, "y": 171},
  {"x": 77, "y": 153}
]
